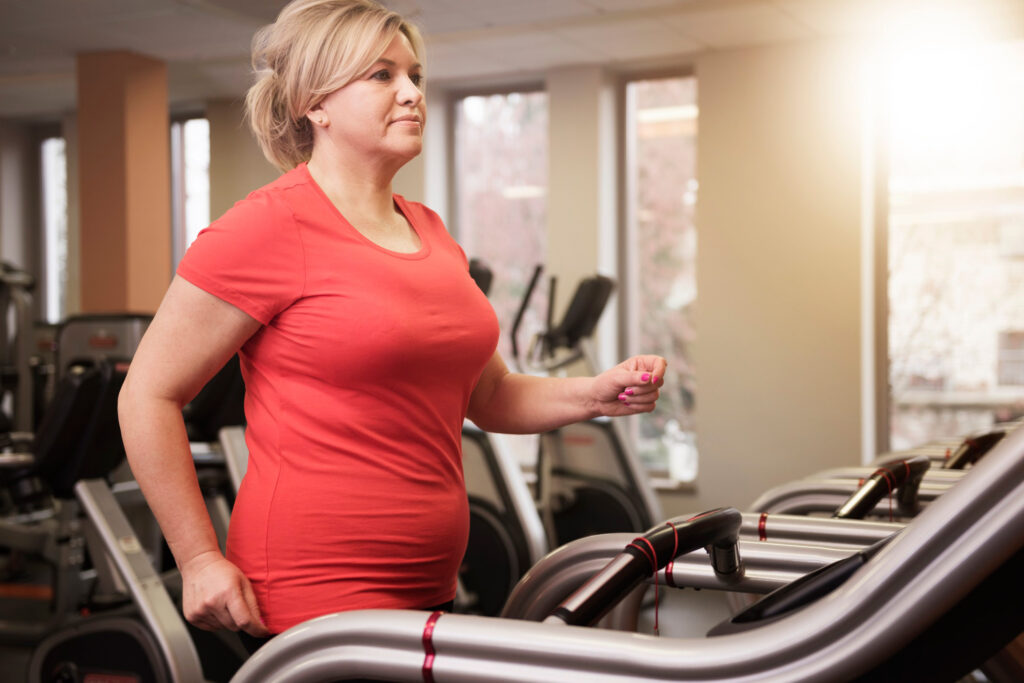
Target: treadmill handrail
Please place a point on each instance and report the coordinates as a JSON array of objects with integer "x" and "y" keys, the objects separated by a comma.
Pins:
[{"x": 931, "y": 565}]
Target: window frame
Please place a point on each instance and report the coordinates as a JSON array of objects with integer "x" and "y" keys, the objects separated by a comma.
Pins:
[
  {"x": 660, "y": 475},
  {"x": 179, "y": 231},
  {"x": 40, "y": 133},
  {"x": 880, "y": 160}
]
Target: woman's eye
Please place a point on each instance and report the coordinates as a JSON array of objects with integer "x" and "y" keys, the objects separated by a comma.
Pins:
[
  {"x": 382, "y": 75},
  {"x": 416, "y": 79}
]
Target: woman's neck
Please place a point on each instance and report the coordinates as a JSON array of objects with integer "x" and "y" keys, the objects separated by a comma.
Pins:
[
  {"x": 352, "y": 189},
  {"x": 366, "y": 201}
]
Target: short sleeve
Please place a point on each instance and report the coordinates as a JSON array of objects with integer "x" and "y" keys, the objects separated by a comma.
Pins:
[{"x": 251, "y": 257}]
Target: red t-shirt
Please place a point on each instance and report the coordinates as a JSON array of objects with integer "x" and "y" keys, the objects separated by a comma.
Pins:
[{"x": 356, "y": 388}]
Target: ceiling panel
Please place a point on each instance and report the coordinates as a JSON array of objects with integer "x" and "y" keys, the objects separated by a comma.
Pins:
[
  {"x": 528, "y": 51},
  {"x": 260, "y": 11},
  {"x": 40, "y": 95},
  {"x": 26, "y": 54},
  {"x": 733, "y": 26},
  {"x": 42, "y": 13},
  {"x": 446, "y": 21},
  {"x": 630, "y": 39},
  {"x": 496, "y": 13},
  {"x": 184, "y": 34},
  {"x": 832, "y": 17},
  {"x": 633, "y": 5},
  {"x": 450, "y": 62}
]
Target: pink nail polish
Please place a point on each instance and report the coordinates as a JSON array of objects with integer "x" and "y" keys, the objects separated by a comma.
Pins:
[
  {"x": 655, "y": 380},
  {"x": 645, "y": 377},
  {"x": 628, "y": 392},
  {"x": 622, "y": 397}
]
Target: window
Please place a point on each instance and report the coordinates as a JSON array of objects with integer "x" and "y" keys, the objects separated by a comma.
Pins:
[
  {"x": 661, "y": 253},
  {"x": 500, "y": 181},
  {"x": 55, "y": 228},
  {"x": 190, "y": 182},
  {"x": 1011, "y": 359},
  {"x": 956, "y": 242}
]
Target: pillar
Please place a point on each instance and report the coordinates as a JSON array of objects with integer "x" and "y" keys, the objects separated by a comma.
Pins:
[{"x": 124, "y": 181}]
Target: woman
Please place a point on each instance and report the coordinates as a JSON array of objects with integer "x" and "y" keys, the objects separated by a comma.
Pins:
[{"x": 363, "y": 341}]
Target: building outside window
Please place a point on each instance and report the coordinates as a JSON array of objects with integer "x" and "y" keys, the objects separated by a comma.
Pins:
[
  {"x": 500, "y": 197},
  {"x": 956, "y": 242},
  {"x": 661, "y": 258},
  {"x": 499, "y": 191},
  {"x": 55, "y": 229},
  {"x": 190, "y": 182}
]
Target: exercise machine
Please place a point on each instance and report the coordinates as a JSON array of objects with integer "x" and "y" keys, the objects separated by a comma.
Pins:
[
  {"x": 897, "y": 615},
  {"x": 588, "y": 479},
  {"x": 16, "y": 341}
]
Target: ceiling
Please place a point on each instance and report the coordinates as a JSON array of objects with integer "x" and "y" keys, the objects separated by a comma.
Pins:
[{"x": 206, "y": 42}]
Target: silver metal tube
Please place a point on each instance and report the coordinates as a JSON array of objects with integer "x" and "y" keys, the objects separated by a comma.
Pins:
[
  {"x": 817, "y": 495},
  {"x": 145, "y": 586},
  {"x": 933, "y": 563}
]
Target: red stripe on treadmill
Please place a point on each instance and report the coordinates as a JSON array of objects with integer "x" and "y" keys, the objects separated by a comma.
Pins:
[
  {"x": 428, "y": 647},
  {"x": 762, "y": 524}
]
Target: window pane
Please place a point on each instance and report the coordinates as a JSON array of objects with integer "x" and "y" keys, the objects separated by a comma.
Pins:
[
  {"x": 190, "y": 181},
  {"x": 55, "y": 228},
  {"x": 956, "y": 242},
  {"x": 501, "y": 169},
  {"x": 661, "y": 182},
  {"x": 197, "y": 177}
]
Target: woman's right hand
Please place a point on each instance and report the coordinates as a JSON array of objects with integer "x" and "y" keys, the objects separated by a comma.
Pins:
[{"x": 216, "y": 594}]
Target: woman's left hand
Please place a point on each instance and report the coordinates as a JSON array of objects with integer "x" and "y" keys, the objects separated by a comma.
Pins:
[{"x": 630, "y": 387}]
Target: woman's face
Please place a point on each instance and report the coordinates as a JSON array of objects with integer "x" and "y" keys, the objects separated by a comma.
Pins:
[{"x": 381, "y": 112}]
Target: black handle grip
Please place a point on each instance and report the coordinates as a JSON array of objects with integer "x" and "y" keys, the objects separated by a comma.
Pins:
[
  {"x": 972, "y": 448},
  {"x": 902, "y": 474},
  {"x": 718, "y": 530}
]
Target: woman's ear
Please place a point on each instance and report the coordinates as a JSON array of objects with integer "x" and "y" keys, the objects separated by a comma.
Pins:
[{"x": 317, "y": 116}]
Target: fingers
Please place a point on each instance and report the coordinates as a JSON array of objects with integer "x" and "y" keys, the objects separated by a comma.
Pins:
[
  {"x": 639, "y": 399},
  {"x": 641, "y": 385},
  {"x": 233, "y": 612},
  {"x": 220, "y": 597},
  {"x": 245, "y": 614},
  {"x": 208, "y": 618},
  {"x": 643, "y": 380}
]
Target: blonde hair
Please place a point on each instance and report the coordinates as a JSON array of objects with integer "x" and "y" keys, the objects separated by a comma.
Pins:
[{"x": 312, "y": 49}]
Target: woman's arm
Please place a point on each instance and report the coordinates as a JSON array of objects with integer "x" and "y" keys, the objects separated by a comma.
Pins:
[
  {"x": 512, "y": 403},
  {"x": 190, "y": 338}
]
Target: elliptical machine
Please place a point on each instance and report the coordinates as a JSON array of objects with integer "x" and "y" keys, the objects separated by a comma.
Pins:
[{"x": 589, "y": 479}]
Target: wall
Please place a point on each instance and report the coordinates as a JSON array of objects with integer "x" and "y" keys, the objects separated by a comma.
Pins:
[
  {"x": 582, "y": 196},
  {"x": 778, "y": 319},
  {"x": 574, "y": 160},
  {"x": 19, "y": 211},
  {"x": 73, "y": 281},
  {"x": 237, "y": 165}
]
